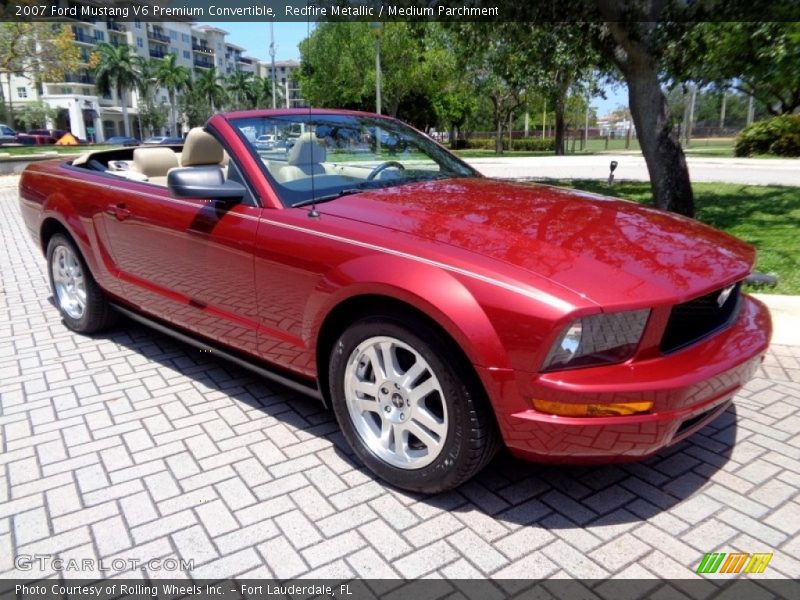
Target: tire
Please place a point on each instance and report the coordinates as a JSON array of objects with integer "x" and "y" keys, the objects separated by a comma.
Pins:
[
  {"x": 423, "y": 424},
  {"x": 79, "y": 299}
]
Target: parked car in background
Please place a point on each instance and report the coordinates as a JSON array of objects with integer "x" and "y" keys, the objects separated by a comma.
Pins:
[
  {"x": 265, "y": 142},
  {"x": 40, "y": 136},
  {"x": 161, "y": 140},
  {"x": 7, "y": 135},
  {"x": 121, "y": 140},
  {"x": 438, "y": 312}
]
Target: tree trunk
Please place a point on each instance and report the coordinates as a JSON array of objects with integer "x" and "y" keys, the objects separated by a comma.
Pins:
[
  {"x": 10, "y": 103},
  {"x": 559, "y": 115},
  {"x": 125, "y": 120},
  {"x": 498, "y": 123},
  {"x": 453, "y": 138},
  {"x": 173, "y": 115},
  {"x": 629, "y": 47},
  {"x": 666, "y": 163}
]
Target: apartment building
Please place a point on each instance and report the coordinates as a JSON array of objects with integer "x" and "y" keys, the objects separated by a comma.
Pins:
[
  {"x": 286, "y": 78},
  {"x": 96, "y": 117}
]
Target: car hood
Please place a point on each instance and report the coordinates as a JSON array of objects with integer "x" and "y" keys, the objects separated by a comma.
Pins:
[{"x": 610, "y": 251}]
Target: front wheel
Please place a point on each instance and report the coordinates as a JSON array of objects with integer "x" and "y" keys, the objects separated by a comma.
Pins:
[
  {"x": 78, "y": 298},
  {"x": 408, "y": 407}
]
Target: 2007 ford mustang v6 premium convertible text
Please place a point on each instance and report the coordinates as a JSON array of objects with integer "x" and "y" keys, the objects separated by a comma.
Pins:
[{"x": 438, "y": 312}]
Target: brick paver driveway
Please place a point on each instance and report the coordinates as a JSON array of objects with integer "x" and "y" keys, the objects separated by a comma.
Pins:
[{"x": 130, "y": 445}]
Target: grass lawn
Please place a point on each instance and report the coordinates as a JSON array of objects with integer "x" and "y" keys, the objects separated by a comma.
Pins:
[
  {"x": 765, "y": 216},
  {"x": 491, "y": 154},
  {"x": 25, "y": 150}
]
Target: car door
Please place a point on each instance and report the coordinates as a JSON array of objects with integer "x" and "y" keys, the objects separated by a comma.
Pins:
[{"x": 188, "y": 261}]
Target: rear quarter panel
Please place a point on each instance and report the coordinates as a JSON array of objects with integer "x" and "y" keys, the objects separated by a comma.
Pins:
[{"x": 52, "y": 191}]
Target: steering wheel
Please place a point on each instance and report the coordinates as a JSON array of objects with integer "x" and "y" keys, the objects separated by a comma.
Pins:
[{"x": 389, "y": 164}]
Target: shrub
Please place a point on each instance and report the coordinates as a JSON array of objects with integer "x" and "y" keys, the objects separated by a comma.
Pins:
[
  {"x": 531, "y": 144},
  {"x": 778, "y": 135}
]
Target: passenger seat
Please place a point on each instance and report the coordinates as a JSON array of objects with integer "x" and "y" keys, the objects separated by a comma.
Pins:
[
  {"x": 202, "y": 149},
  {"x": 154, "y": 163}
]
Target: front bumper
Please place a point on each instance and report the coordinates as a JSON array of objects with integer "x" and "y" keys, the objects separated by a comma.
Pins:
[{"x": 689, "y": 389}]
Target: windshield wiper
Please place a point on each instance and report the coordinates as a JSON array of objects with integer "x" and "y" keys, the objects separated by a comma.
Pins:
[{"x": 329, "y": 197}]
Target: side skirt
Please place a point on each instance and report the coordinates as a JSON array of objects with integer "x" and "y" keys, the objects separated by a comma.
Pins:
[{"x": 307, "y": 388}]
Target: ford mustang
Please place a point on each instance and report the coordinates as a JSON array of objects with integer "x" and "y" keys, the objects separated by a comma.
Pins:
[{"x": 440, "y": 314}]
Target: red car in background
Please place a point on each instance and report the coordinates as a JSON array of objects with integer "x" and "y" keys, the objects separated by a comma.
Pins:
[
  {"x": 40, "y": 136},
  {"x": 438, "y": 312}
]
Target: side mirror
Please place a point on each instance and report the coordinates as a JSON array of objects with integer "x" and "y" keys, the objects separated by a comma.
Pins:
[{"x": 203, "y": 182}]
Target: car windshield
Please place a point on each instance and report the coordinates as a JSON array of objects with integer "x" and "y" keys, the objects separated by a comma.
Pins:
[{"x": 318, "y": 157}]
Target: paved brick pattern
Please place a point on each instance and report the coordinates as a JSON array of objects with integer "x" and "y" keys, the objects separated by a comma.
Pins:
[{"x": 131, "y": 445}]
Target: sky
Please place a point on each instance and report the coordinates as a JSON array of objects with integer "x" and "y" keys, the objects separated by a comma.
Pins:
[{"x": 255, "y": 38}]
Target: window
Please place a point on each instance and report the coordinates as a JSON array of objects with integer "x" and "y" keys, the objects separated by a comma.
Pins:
[
  {"x": 66, "y": 90},
  {"x": 174, "y": 50},
  {"x": 187, "y": 54},
  {"x": 22, "y": 92},
  {"x": 138, "y": 24},
  {"x": 99, "y": 36},
  {"x": 185, "y": 37},
  {"x": 173, "y": 35},
  {"x": 140, "y": 42}
]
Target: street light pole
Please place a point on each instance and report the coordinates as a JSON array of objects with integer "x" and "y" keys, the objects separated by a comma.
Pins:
[
  {"x": 272, "y": 54},
  {"x": 377, "y": 27}
]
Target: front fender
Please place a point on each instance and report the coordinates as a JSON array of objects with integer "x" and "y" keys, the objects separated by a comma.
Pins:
[{"x": 435, "y": 292}]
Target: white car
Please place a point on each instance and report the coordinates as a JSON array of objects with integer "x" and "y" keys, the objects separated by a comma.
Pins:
[{"x": 265, "y": 142}]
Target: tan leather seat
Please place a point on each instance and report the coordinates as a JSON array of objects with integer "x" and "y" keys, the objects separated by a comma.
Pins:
[
  {"x": 154, "y": 163},
  {"x": 201, "y": 148},
  {"x": 304, "y": 159}
]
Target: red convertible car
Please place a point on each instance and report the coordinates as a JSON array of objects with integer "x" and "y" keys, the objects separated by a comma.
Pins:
[{"x": 438, "y": 312}]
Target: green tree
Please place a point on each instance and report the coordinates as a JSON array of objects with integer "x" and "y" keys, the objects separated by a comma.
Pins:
[
  {"x": 195, "y": 107},
  {"x": 175, "y": 78},
  {"x": 43, "y": 51},
  {"x": 36, "y": 114},
  {"x": 118, "y": 70},
  {"x": 338, "y": 66},
  {"x": 208, "y": 84},
  {"x": 153, "y": 116},
  {"x": 238, "y": 85},
  {"x": 756, "y": 58}
]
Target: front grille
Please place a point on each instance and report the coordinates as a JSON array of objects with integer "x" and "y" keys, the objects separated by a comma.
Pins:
[{"x": 693, "y": 320}]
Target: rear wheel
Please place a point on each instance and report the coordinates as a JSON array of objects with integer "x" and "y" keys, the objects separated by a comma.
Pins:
[
  {"x": 78, "y": 298},
  {"x": 409, "y": 407}
]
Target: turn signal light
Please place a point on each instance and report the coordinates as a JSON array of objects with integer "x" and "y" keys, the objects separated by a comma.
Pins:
[{"x": 567, "y": 409}]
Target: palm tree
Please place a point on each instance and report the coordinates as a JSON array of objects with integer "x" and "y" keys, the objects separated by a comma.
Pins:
[
  {"x": 145, "y": 86},
  {"x": 238, "y": 83},
  {"x": 117, "y": 70},
  {"x": 208, "y": 85},
  {"x": 263, "y": 90},
  {"x": 175, "y": 78}
]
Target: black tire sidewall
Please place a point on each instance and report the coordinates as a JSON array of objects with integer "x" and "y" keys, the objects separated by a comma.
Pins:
[
  {"x": 94, "y": 311},
  {"x": 446, "y": 470}
]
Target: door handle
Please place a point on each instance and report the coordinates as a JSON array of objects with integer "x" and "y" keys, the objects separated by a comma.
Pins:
[{"x": 119, "y": 210}]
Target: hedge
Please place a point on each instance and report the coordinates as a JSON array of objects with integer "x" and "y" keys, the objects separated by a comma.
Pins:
[
  {"x": 779, "y": 136},
  {"x": 531, "y": 144}
]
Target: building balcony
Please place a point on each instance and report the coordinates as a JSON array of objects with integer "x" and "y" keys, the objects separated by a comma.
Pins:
[
  {"x": 157, "y": 53},
  {"x": 82, "y": 79},
  {"x": 203, "y": 64},
  {"x": 82, "y": 38},
  {"x": 244, "y": 60},
  {"x": 202, "y": 49},
  {"x": 115, "y": 26},
  {"x": 155, "y": 36}
]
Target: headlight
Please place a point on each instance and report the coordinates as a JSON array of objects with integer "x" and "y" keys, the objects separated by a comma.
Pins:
[{"x": 597, "y": 340}]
